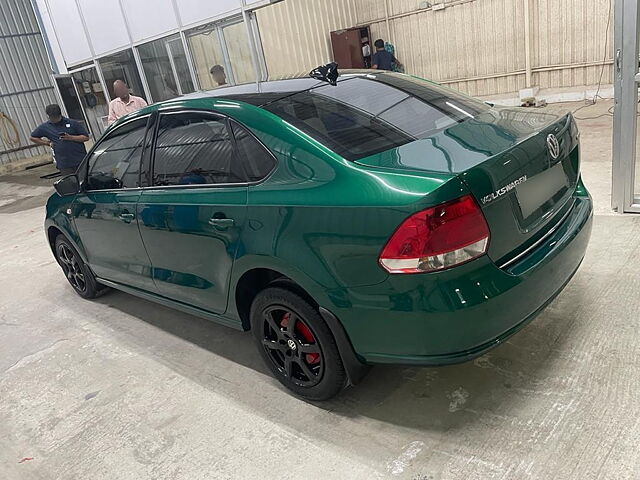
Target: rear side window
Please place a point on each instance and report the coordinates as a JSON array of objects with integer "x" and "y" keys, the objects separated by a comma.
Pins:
[
  {"x": 256, "y": 159},
  {"x": 194, "y": 148},
  {"x": 115, "y": 162},
  {"x": 368, "y": 114}
]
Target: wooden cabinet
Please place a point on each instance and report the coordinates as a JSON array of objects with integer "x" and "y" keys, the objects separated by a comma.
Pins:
[{"x": 352, "y": 48}]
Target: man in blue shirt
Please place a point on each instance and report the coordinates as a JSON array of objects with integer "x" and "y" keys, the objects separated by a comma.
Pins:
[
  {"x": 383, "y": 60},
  {"x": 65, "y": 136}
]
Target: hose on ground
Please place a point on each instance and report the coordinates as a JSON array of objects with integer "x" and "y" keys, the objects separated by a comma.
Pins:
[{"x": 7, "y": 127}]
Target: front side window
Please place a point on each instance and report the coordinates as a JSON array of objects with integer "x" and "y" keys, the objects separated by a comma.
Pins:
[
  {"x": 194, "y": 148},
  {"x": 115, "y": 162},
  {"x": 256, "y": 160}
]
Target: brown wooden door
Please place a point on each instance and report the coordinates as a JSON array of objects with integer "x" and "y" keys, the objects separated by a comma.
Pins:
[{"x": 347, "y": 48}]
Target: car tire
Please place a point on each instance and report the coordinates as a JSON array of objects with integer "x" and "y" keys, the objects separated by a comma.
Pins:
[
  {"x": 296, "y": 344},
  {"x": 78, "y": 274}
]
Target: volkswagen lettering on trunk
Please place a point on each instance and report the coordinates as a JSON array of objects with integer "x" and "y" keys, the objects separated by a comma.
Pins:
[
  {"x": 381, "y": 220},
  {"x": 501, "y": 191}
]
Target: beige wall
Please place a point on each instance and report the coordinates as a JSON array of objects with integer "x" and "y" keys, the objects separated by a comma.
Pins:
[
  {"x": 295, "y": 33},
  {"x": 477, "y": 46},
  {"x": 571, "y": 32},
  {"x": 474, "y": 39}
]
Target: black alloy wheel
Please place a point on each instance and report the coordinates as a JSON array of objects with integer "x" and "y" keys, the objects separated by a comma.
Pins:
[
  {"x": 291, "y": 346},
  {"x": 78, "y": 274},
  {"x": 72, "y": 268},
  {"x": 296, "y": 344}
]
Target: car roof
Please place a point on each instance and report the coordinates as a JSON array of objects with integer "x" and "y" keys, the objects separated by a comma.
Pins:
[{"x": 262, "y": 93}]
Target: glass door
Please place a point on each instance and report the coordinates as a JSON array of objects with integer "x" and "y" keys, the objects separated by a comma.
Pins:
[
  {"x": 69, "y": 95},
  {"x": 84, "y": 99},
  {"x": 625, "y": 195},
  {"x": 93, "y": 100}
]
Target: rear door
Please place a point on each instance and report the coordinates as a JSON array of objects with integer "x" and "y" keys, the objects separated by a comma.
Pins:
[
  {"x": 105, "y": 211},
  {"x": 194, "y": 210}
]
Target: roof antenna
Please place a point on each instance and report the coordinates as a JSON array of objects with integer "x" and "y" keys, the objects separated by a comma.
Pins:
[{"x": 327, "y": 73}]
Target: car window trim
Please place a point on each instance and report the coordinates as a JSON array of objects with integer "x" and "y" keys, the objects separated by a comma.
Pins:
[
  {"x": 154, "y": 131},
  {"x": 152, "y": 128},
  {"x": 85, "y": 166}
]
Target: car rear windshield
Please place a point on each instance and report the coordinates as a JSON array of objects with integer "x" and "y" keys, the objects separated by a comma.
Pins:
[{"x": 367, "y": 114}]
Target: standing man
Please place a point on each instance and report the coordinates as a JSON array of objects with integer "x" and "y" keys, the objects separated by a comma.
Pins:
[
  {"x": 65, "y": 136},
  {"x": 124, "y": 102},
  {"x": 217, "y": 72},
  {"x": 383, "y": 60}
]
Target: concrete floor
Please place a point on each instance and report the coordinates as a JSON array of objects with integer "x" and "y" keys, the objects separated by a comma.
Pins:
[{"x": 120, "y": 388}]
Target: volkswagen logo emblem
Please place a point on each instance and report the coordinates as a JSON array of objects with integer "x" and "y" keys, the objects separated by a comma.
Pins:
[{"x": 553, "y": 145}]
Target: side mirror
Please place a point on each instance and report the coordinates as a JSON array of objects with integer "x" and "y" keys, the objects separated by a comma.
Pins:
[{"x": 68, "y": 185}]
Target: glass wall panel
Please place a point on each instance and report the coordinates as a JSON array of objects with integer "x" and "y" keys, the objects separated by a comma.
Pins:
[
  {"x": 122, "y": 66},
  {"x": 221, "y": 55},
  {"x": 235, "y": 37},
  {"x": 206, "y": 52},
  {"x": 165, "y": 68}
]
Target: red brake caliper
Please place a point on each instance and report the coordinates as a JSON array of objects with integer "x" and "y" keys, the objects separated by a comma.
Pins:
[{"x": 304, "y": 332}]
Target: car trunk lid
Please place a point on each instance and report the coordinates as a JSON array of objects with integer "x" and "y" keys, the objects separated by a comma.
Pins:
[{"x": 521, "y": 167}]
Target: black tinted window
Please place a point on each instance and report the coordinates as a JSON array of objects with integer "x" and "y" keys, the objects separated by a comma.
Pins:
[
  {"x": 194, "y": 148},
  {"x": 257, "y": 161},
  {"x": 368, "y": 114},
  {"x": 115, "y": 163}
]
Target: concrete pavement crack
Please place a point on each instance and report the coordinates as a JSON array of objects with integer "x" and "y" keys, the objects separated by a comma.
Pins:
[{"x": 23, "y": 359}]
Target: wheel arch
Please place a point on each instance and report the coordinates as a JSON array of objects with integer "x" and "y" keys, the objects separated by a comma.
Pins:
[
  {"x": 248, "y": 286},
  {"x": 53, "y": 229},
  {"x": 52, "y": 234}
]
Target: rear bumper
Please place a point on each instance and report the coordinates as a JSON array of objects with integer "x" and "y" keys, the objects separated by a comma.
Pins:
[{"x": 456, "y": 315}]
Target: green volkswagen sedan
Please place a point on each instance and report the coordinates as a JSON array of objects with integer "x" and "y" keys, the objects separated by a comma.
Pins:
[{"x": 381, "y": 220}]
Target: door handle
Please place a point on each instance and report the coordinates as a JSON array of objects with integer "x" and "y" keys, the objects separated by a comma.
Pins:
[
  {"x": 126, "y": 217},
  {"x": 221, "y": 222}
]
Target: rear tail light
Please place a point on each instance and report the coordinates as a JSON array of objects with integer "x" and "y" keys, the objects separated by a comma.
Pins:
[{"x": 437, "y": 238}]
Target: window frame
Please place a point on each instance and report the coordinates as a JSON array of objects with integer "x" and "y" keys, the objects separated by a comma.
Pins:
[
  {"x": 235, "y": 151},
  {"x": 260, "y": 142},
  {"x": 85, "y": 165}
]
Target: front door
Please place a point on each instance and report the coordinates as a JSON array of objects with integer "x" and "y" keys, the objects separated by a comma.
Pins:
[
  {"x": 192, "y": 215},
  {"x": 105, "y": 212},
  {"x": 92, "y": 99}
]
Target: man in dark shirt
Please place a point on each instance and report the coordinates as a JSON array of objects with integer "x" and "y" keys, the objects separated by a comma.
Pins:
[
  {"x": 382, "y": 60},
  {"x": 65, "y": 136}
]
